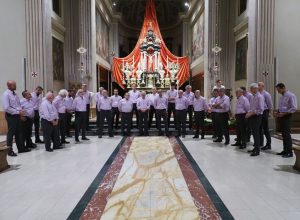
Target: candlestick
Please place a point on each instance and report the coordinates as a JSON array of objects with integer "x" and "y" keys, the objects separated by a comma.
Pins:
[
  {"x": 133, "y": 61},
  {"x": 167, "y": 62}
]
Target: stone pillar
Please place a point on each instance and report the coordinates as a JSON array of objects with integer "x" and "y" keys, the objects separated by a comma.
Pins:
[
  {"x": 252, "y": 46},
  {"x": 265, "y": 44},
  {"x": 208, "y": 42},
  {"x": 186, "y": 39},
  {"x": 39, "y": 44}
]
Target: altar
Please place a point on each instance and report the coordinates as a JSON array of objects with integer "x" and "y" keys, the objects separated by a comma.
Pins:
[{"x": 150, "y": 64}]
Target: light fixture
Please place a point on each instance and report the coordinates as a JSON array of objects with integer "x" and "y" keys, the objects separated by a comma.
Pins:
[
  {"x": 114, "y": 4},
  {"x": 186, "y": 4}
]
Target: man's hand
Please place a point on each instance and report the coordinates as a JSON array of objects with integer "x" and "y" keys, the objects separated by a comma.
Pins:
[
  {"x": 21, "y": 113},
  {"x": 280, "y": 114},
  {"x": 55, "y": 122},
  {"x": 249, "y": 114}
]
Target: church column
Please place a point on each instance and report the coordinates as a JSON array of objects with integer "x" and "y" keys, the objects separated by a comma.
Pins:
[
  {"x": 209, "y": 39},
  {"x": 114, "y": 43},
  {"x": 38, "y": 44},
  {"x": 265, "y": 44},
  {"x": 186, "y": 49},
  {"x": 252, "y": 46}
]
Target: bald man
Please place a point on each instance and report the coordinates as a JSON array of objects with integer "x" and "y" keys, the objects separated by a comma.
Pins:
[{"x": 13, "y": 113}]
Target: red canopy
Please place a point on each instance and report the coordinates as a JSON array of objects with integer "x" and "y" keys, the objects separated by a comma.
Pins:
[{"x": 151, "y": 20}]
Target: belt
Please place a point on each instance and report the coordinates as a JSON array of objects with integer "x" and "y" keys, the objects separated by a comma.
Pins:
[
  {"x": 241, "y": 114},
  {"x": 8, "y": 114}
]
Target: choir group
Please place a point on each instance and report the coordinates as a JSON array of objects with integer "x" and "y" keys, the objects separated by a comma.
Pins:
[{"x": 252, "y": 111}]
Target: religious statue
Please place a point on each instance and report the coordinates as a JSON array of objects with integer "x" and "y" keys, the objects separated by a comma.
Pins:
[
  {"x": 150, "y": 81},
  {"x": 127, "y": 71}
]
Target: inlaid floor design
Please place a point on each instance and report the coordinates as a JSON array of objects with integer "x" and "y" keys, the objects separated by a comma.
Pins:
[{"x": 151, "y": 178}]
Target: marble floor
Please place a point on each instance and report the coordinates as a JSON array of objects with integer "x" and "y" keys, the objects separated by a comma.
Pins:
[
  {"x": 264, "y": 187},
  {"x": 43, "y": 185}
]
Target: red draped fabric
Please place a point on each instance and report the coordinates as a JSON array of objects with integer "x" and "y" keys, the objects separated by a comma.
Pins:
[{"x": 150, "y": 19}]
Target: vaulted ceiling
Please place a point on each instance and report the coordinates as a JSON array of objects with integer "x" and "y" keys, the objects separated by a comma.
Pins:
[{"x": 132, "y": 12}]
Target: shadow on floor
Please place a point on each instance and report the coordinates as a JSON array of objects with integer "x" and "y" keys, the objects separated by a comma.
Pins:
[
  {"x": 286, "y": 168},
  {"x": 11, "y": 168}
]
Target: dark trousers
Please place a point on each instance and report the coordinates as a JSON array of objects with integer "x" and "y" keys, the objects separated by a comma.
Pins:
[
  {"x": 214, "y": 123},
  {"x": 115, "y": 114},
  {"x": 26, "y": 127},
  {"x": 36, "y": 122},
  {"x": 285, "y": 126},
  {"x": 87, "y": 120},
  {"x": 222, "y": 125},
  {"x": 162, "y": 114},
  {"x": 171, "y": 110},
  {"x": 254, "y": 124},
  {"x": 264, "y": 129},
  {"x": 136, "y": 112},
  {"x": 105, "y": 114},
  {"x": 143, "y": 122},
  {"x": 241, "y": 127},
  {"x": 50, "y": 132},
  {"x": 151, "y": 115},
  {"x": 126, "y": 121},
  {"x": 199, "y": 122},
  {"x": 68, "y": 123},
  {"x": 62, "y": 126},
  {"x": 190, "y": 111},
  {"x": 14, "y": 130},
  {"x": 181, "y": 121},
  {"x": 80, "y": 123}
]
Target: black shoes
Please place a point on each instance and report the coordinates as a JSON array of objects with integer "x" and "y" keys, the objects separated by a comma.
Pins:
[
  {"x": 254, "y": 153},
  {"x": 77, "y": 140},
  {"x": 65, "y": 142},
  {"x": 281, "y": 153},
  {"x": 267, "y": 147},
  {"x": 99, "y": 136},
  {"x": 85, "y": 139},
  {"x": 227, "y": 142},
  {"x": 243, "y": 146},
  {"x": 236, "y": 144},
  {"x": 39, "y": 142},
  {"x": 218, "y": 140},
  {"x": 49, "y": 150},
  {"x": 111, "y": 135},
  {"x": 57, "y": 148},
  {"x": 11, "y": 153},
  {"x": 196, "y": 137},
  {"x": 24, "y": 150},
  {"x": 31, "y": 146},
  {"x": 287, "y": 155}
]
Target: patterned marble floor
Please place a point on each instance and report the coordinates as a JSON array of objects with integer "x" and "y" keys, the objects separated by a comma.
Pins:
[
  {"x": 47, "y": 186},
  {"x": 150, "y": 178}
]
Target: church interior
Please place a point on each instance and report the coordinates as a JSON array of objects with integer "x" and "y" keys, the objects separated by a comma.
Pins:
[{"x": 155, "y": 93}]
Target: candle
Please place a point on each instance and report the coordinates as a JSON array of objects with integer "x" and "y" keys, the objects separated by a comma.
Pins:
[
  {"x": 133, "y": 61},
  {"x": 167, "y": 62}
]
